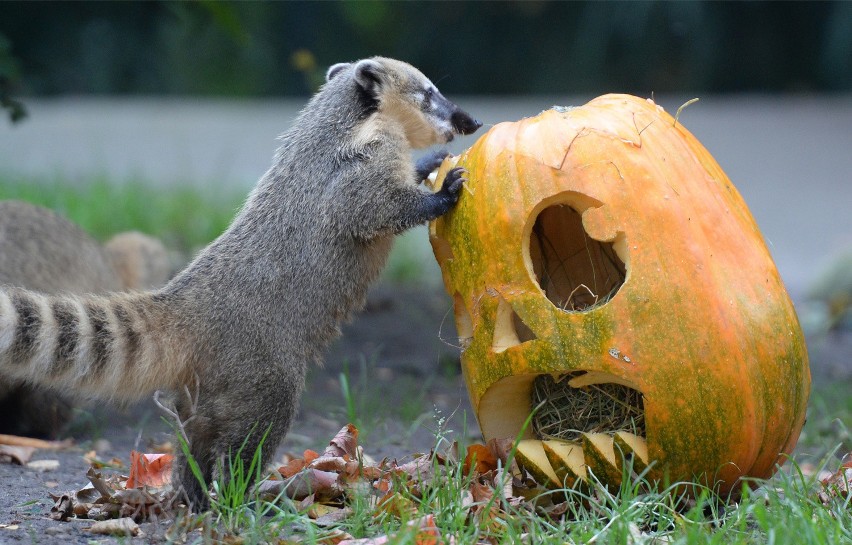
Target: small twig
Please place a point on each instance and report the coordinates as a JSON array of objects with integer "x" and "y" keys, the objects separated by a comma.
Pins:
[{"x": 172, "y": 413}]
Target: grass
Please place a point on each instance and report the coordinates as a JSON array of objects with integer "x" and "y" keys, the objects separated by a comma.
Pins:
[{"x": 185, "y": 218}]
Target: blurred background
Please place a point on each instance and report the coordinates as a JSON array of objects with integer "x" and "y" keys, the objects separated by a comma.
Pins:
[{"x": 161, "y": 116}]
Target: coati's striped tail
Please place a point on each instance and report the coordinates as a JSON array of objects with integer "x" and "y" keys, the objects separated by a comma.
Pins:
[{"x": 107, "y": 347}]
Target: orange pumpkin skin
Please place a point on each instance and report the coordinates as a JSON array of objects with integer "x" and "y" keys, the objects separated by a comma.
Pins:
[{"x": 702, "y": 324}]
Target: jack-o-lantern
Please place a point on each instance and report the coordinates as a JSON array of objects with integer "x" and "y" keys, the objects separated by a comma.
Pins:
[{"x": 605, "y": 271}]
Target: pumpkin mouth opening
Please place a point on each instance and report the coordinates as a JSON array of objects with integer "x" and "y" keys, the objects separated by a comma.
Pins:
[
  {"x": 572, "y": 404},
  {"x": 576, "y": 272},
  {"x": 585, "y": 422}
]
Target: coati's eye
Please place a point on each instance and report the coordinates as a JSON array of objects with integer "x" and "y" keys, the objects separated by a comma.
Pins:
[{"x": 427, "y": 96}]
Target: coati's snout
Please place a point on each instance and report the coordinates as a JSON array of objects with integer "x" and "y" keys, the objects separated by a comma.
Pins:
[{"x": 463, "y": 123}]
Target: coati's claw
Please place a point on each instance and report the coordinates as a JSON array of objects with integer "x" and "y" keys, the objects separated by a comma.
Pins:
[
  {"x": 453, "y": 182},
  {"x": 429, "y": 162}
]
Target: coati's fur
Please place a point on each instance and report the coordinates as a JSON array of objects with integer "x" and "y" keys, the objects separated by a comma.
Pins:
[
  {"x": 42, "y": 251},
  {"x": 247, "y": 316}
]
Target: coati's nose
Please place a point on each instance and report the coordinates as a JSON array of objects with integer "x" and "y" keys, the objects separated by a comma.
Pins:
[{"x": 463, "y": 123}]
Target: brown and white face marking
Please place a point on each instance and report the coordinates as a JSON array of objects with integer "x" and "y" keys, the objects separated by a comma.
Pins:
[{"x": 410, "y": 100}]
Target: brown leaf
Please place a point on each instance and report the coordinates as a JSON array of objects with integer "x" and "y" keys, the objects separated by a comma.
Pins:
[
  {"x": 333, "y": 518},
  {"x": 345, "y": 443},
  {"x": 839, "y": 484},
  {"x": 500, "y": 449},
  {"x": 334, "y": 538},
  {"x": 479, "y": 459},
  {"x": 396, "y": 504},
  {"x": 420, "y": 468},
  {"x": 154, "y": 470},
  {"x": 306, "y": 503},
  {"x": 63, "y": 508},
  {"x": 310, "y": 456},
  {"x": 383, "y": 485},
  {"x": 323, "y": 485},
  {"x": 100, "y": 483},
  {"x": 330, "y": 463},
  {"x": 19, "y": 455},
  {"x": 292, "y": 467},
  {"x": 329, "y": 512},
  {"x": 88, "y": 494},
  {"x": 481, "y": 492},
  {"x": 555, "y": 512},
  {"x": 116, "y": 527}
]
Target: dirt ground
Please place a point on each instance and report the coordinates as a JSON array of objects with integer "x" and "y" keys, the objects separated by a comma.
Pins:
[{"x": 404, "y": 377}]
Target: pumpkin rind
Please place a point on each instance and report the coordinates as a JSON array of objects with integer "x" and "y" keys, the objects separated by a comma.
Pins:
[{"x": 702, "y": 324}]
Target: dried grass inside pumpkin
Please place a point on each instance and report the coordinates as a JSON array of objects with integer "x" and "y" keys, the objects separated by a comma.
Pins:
[{"x": 566, "y": 412}]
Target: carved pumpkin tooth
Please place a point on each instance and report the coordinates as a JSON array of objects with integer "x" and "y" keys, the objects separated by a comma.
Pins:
[
  {"x": 629, "y": 444},
  {"x": 531, "y": 456},
  {"x": 567, "y": 460},
  {"x": 601, "y": 459}
]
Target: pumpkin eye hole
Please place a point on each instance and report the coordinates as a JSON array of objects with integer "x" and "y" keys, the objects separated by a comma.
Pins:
[{"x": 575, "y": 271}]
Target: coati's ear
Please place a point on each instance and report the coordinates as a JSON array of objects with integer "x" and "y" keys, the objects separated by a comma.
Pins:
[
  {"x": 336, "y": 69},
  {"x": 368, "y": 75}
]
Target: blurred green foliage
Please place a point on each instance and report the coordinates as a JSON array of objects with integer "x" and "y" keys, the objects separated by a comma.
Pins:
[
  {"x": 183, "y": 217},
  {"x": 282, "y": 48}
]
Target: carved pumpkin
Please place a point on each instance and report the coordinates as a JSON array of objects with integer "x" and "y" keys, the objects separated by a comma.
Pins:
[{"x": 601, "y": 252}]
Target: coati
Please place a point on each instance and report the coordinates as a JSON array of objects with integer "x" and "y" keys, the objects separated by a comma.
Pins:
[
  {"x": 43, "y": 251},
  {"x": 233, "y": 333}
]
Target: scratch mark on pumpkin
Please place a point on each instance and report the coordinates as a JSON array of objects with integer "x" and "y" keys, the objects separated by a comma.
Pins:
[
  {"x": 640, "y": 131},
  {"x": 571, "y": 143}
]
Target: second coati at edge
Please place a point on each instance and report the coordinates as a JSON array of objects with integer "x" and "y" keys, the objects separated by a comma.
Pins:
[
  {"x": 246, "y": 317},
  {"x": 41, "y": 250}
]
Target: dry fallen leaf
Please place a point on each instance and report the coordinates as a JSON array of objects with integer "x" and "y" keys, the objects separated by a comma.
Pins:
[
  {"x": 839, "y": 484},
  {"x": 153, "y": 470},
  {"x": 43, "y": 465},
  {"x": 63, "y": 507},
  {"x": 323, "y": 485},
  {"x": 292, "y": 467},
  {"x": 420, "y": 468},
  {"x": 501, "y": 448},
  {"x": 480, "y": 459},
  {"x": 18, "y": 455},
  {"x": 345, "y": 443},
  {"x": 116, "y": 527}
]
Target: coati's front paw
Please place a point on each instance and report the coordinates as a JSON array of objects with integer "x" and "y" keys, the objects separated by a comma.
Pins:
[
  {"x": 429, "y": 162},
  {"x": 452, "y": 186}
]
